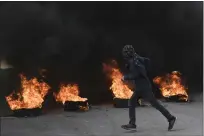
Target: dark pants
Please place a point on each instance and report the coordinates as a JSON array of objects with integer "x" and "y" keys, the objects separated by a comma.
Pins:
[{"x": 147, "y": 94}]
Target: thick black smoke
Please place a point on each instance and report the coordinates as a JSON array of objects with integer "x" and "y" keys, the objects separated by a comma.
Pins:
[{"x": 72, "y": 39}]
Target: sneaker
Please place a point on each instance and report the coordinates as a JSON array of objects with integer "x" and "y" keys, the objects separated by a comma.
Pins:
[
  {"x": 171, "y": 123},
  {"x": 129, "y": 126}
]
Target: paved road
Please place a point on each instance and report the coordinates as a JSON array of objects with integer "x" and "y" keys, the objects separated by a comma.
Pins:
[{"x": 105, "y": 121}]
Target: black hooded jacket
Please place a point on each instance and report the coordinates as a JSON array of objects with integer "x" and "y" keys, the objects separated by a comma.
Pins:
[{"x": 138, "y": 68}]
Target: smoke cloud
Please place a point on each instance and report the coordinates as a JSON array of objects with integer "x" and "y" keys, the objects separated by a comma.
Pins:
[{"x": 72, "y": 39}]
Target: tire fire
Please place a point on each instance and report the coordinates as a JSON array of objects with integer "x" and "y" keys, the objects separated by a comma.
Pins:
[
  {"x": 30, "y": 96},
  {"x": 70, "y": 93},
  {"x": 119, "y": 88},
  {"x": 170, "y": 85}
]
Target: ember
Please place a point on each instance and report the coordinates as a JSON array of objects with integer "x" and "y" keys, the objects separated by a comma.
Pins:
[
  {"x": 30, "y": 96},
  {"x": 171, "y": 86},
  {"x": 69, "y": 96}
]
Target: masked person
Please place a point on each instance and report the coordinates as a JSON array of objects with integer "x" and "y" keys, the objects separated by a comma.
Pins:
[{"x": 138, "y": 74}]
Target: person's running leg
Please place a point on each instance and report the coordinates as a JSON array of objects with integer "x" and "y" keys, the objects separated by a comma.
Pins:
[
  {"x": 132, "y": 104},
  {"x": 147, "y": 94}
]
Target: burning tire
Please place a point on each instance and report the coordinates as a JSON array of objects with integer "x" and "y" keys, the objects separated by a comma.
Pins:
[
  {"x": 120, "y": 103},
  {"x": 176, "y": 98},
  {"x": 29, "y": 100},
  {"x": 27, "y": 112},
  {"x": 69, "y": 97},
  {"x": 120, "y": 90},
  {"x": 171, "y": 87},
  {"x": 75, "y": 106}
]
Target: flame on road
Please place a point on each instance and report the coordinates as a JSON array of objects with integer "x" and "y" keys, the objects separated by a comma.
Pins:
[
  {"x": 30, "y": 96},
  {"x": 118, "y": 87},
  {"x": 68, "y": 93},
  {"x": 170, "y": 85}
]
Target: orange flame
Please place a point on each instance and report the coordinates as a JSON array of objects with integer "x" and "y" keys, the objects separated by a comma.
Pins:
[
  {"x": 31, "y": 96},
  {"x": 170, "y": 85},
  {"x": 68, "y": 93},
  {"x": 119, "y": 89}
]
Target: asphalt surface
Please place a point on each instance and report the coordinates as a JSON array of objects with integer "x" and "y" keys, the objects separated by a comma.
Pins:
[{"x": 104, "y": 120}]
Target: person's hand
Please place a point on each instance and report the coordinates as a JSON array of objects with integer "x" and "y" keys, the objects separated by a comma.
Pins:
[{"x": 123, "y": 79}]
